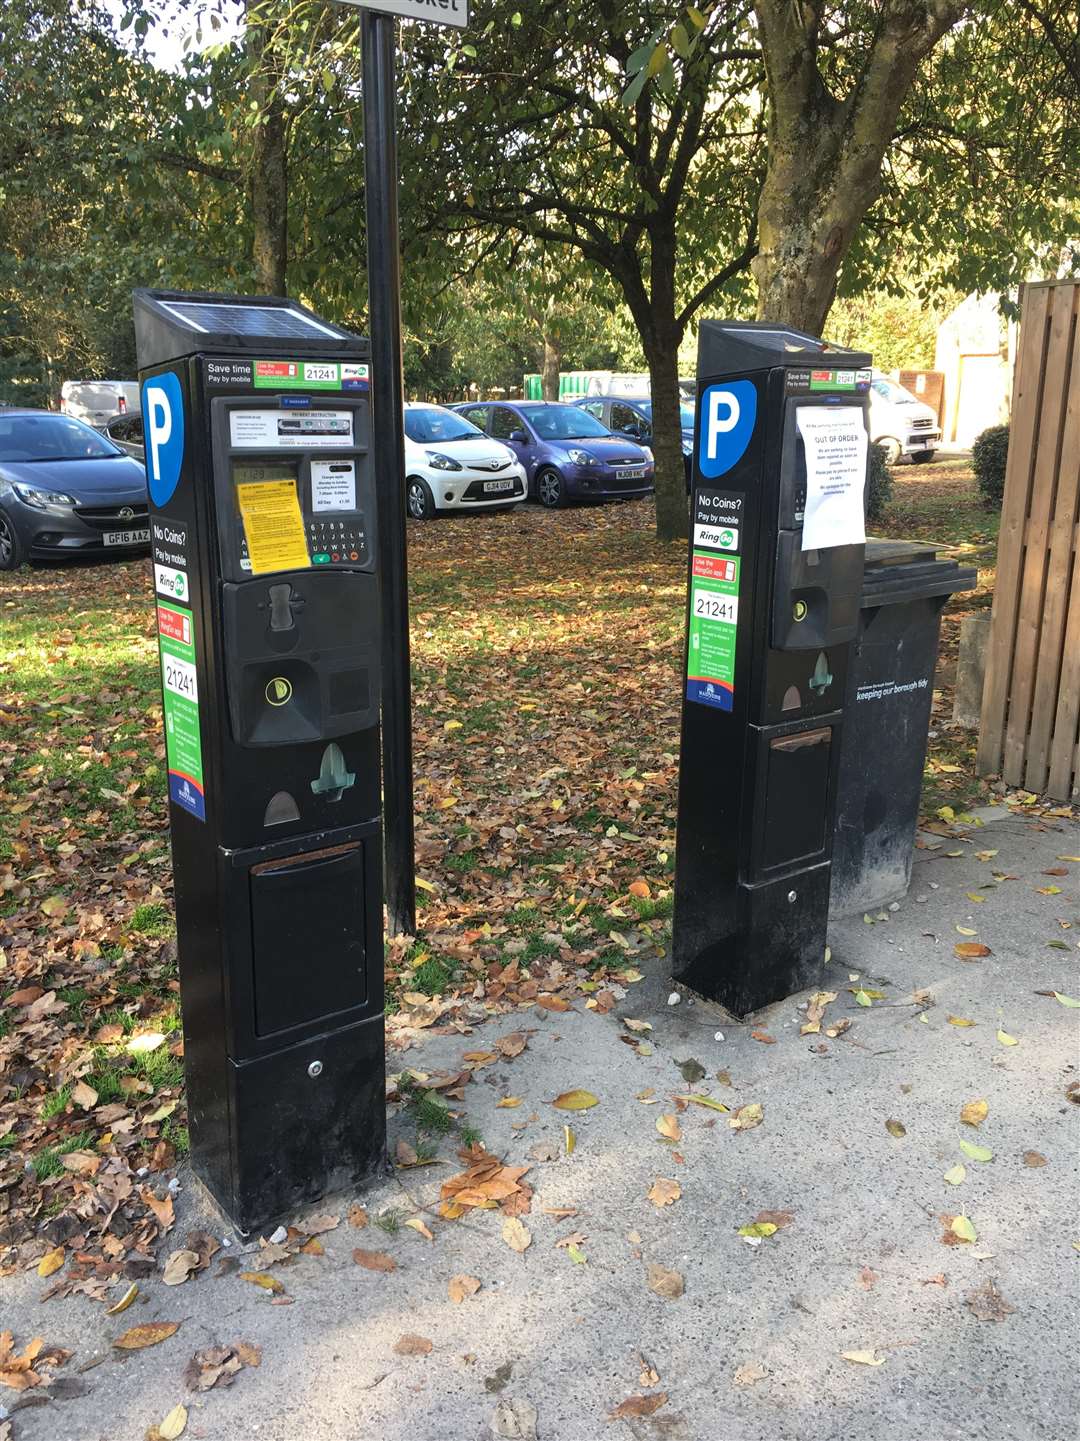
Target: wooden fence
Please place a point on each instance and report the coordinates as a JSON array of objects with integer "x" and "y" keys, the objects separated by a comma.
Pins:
[{"x": 1031, "y": 695}]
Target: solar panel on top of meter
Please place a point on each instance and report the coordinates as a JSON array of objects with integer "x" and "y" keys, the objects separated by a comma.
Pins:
[{"x": 274, "y": 322}]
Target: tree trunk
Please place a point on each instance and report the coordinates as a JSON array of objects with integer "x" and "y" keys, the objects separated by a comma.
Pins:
[
  {"x": 270, "y": 171},
  {"x": 672, "y": 514},
  {"x": 552, "y": 364}
]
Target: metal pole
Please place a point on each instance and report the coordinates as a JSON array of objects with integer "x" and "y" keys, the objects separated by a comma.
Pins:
[{"x": 388, "y": 452}]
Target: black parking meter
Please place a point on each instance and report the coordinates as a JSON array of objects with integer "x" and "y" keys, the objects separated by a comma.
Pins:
[
  {"x": 263, "y": 526},
  {"x": 776, "y": 567}
]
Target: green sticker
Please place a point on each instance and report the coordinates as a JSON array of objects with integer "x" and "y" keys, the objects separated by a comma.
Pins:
[
  {"x": 714, "y": 617},
  {"x": 180, "y": 690}
]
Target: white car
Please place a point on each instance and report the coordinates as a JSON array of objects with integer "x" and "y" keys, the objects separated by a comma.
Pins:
[
  {"x": 899, "y": 423},
  {"x": 96, "y": 401},
  {"x": 452, "y": 465}
]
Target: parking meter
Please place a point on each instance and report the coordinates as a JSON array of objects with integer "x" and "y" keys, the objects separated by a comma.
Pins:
[
  {"x": 263, "y": 526},
  {"x": 775, "y": 575}
]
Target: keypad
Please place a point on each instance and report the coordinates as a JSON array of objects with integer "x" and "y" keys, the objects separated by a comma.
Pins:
[{"x": 337, "y": 542}]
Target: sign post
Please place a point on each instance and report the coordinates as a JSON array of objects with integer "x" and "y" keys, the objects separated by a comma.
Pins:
[{"x": 388, "y": 426}]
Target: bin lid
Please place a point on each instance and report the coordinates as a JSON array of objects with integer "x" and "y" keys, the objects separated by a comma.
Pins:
[
  {"x": 903, "y": 570},
  {"x": 729, "y": 346}
]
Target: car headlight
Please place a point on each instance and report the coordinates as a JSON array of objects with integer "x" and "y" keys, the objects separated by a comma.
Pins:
[
  {"x": 580, "y": 457},
  {"x": 688, "y": 447},
  {"x": 438, "y": 461},
  {"x": 648, "y": 452},
  {"x": 41, "y": 499}
]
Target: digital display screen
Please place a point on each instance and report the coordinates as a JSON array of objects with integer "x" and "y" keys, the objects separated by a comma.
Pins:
[{"x": 248, "y": 474}]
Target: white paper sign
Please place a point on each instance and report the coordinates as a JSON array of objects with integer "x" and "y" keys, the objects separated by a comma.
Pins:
[
  {"x": 307, "y": 429},
  {"x": 836, "y": 441},
  {"x": 333, "y": 485}
]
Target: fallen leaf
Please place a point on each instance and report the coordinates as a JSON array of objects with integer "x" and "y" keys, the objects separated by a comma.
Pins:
[
  {"x": 971, "y": 950},
  {"x": 779, "y": 1219},
  {"x": 51, "y": 1262},
  {"x": 214, "y": 1366},
  {"x": 663, "y": 1192},
  {"x": 142, "y": 1044},
  {"x": 1034, "y": 1158},
  {"x": 958, "y": 1021},
  {"x": 955, "y": 1175},
  {"x": 570, "y": 1140},
  {"x": 458, "y": 1287},
  {"x": 417, "y": 1224},
  {"x": 514, "y": 1419},
  {"x": 976, "y": 1153},
  {"x": 649, "y": 1376},
  {"x": 749, "y": 1373},
  {"x": 1048, "y": 890},
  {"x": 56, "y": 906},
  {"x": 249, "y": 1353},
  {"x": 939, "y": 1280},
  {"x": 867, "y": 1278},
  {"x": 1064, "y": 1000},
  {"x": 864, "y": 1358},
  {"x": 668, "y": 1284},
  {"x": 124, "y": 1301},
  {"x": 763, "y": 1037},
  {"x": 263, "y": 1280},
  {"x": 974, "y": 1113},
  {"x": 179, "y": 1267},
  {"x": 706, "y": 1101},
  {"x": 149, "y": 1334},
  {"x": 552, "y": 1003},
  {"x": 576, "y": 1254},
  {"x": 640, "y": 888},
  {"x": 966, "y": 931},
  {"x": 747, "y": 1117},
  {"x": 1006, "y": 1039},
  {"x": 516, "y": 1235},
  {"x": 896, "y": 1128},
  {"x": 974, "y": 896},
  {"x": 84, "y": 1095},
  {"x": 758, "y": 1229},
  {"x": 508, "y": 1103},
  {"x": 988, "y": 1304},
  {"x": 638, "y": 1406},
  {"x": 634, "y": 1025},
  {"x": 961, "y": 1226},
  {"x": 669, "y": 1127},
  {"x": 357, "y": 1217},
  {"x": 575, "y": 1101},
  {"x": 174, "y": 1424},
  {"x": 412, "y": 1345},
  {"x": 374, "y": 1260}
]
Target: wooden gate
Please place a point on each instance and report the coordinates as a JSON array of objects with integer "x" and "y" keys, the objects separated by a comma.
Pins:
[{"x": 1031, "y": 696}]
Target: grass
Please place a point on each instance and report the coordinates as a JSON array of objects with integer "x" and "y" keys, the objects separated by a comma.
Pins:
[
  {"x": 432, "y": 977},
  {"x": 152, "y": 920}
]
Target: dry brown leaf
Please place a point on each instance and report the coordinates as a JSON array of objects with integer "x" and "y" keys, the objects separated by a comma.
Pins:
[
  {"x": 512, "y": 1045},
  {"x": 412, "y": 1345},
  {"x": 214, "y": 1366},
  {"x": 763, "y": 1037},
  {"x": 749, "y": 1373},
  {"x": 417, "y": 1224},
  {"x": 988, "y": 1304},
  {"x": 669, "y": 1127},
  {"x": 971, "y": 950},
  {"x": 249, "y": 1353},
  {"x": 516, "y": 1235},
  {"x": 150, "y": 1334},
  {"x": 638, "y": 1406},
  {"x": 84, "y": 1095},
  {"x": 747, "y": 1117},
  {"x": 50, "y": 1262},
  {"x": 663, "y": 1192},
  {"x": 663, "y": 1282},
  {"x": 319, "y": 1225},
  {"x": 1034, "y": 1158},
  {"x": 779, "y": 1219},
  {"x": 974, "y": 1113},
  {"x": 163, "y": 1210},
  {"x": 374, "y": 1260},
  {"x": 358, "y": 1217},
  {"x": 458, "y": 1287},
  {"x": 179, "y": 1267},
  {"x": 577, "y": 1100}
]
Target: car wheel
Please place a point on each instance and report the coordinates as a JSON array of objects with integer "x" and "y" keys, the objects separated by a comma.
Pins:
[
  {"x": 420, "y": 500},
  {"x": 891, "y": 447},
  {"x": 12, "y": 553},
  {"x": 550, "y": 489},
  {"x": 925, "y": 457}
]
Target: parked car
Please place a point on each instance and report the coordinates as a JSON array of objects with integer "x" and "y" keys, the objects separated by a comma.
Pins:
[
  {"x": 97, "y": 401},
  {"x": 125, "y": 430},
  {"x": 451, "y": 464},
  {"x": 900, "y": 424},
  {"x": 632, "y": 416},
  {"x": 567, "y": 453},
  {"x": 66, "y": 490}
]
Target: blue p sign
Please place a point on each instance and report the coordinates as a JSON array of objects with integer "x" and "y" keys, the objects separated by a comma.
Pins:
[
  {"x": 163, "y": 428},
  {"x": 728, "y": 413}
]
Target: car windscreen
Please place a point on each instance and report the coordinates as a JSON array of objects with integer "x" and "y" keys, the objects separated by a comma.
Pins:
[
  {"x": 686, "y": 413},
  {"x": 432, "y": 424},
  {"x": 890, "y": 391},
  {"x": 29, "y": 438},
  {"x": 562, "y": 422}
]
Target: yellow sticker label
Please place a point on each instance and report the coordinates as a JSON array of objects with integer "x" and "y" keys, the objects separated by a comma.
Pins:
[{"x": 273, "y": 526}]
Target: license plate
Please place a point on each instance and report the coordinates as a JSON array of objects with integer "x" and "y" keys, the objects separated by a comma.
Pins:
[
  {"x": 632, "y": 473},
  {"x": 491, "y": 486},
  {"x": 127, "y": 537}
]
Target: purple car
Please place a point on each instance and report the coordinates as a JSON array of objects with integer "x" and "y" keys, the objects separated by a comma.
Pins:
[{"x": 567, "y": 453}]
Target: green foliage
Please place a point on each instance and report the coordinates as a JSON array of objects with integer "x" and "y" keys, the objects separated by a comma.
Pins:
[
  {"x": 431, "y": 976},
  {"x": 152, "y": 919},
  {"x": 55, "y": 1104},
  {"x": 879, "y": 484},
  {"x": 897, "y": 326},
  {"x": 989, "y": 455}
]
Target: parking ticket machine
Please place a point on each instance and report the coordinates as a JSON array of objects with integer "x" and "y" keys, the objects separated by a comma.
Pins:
[
  {"x": 263, "y": 528},
  {"x": 775, "y": 577}
]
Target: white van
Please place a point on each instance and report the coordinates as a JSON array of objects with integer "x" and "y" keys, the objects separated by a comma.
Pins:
[
  {"x": 96, "y": 401},
  {"x": 900, "y": 424}
]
